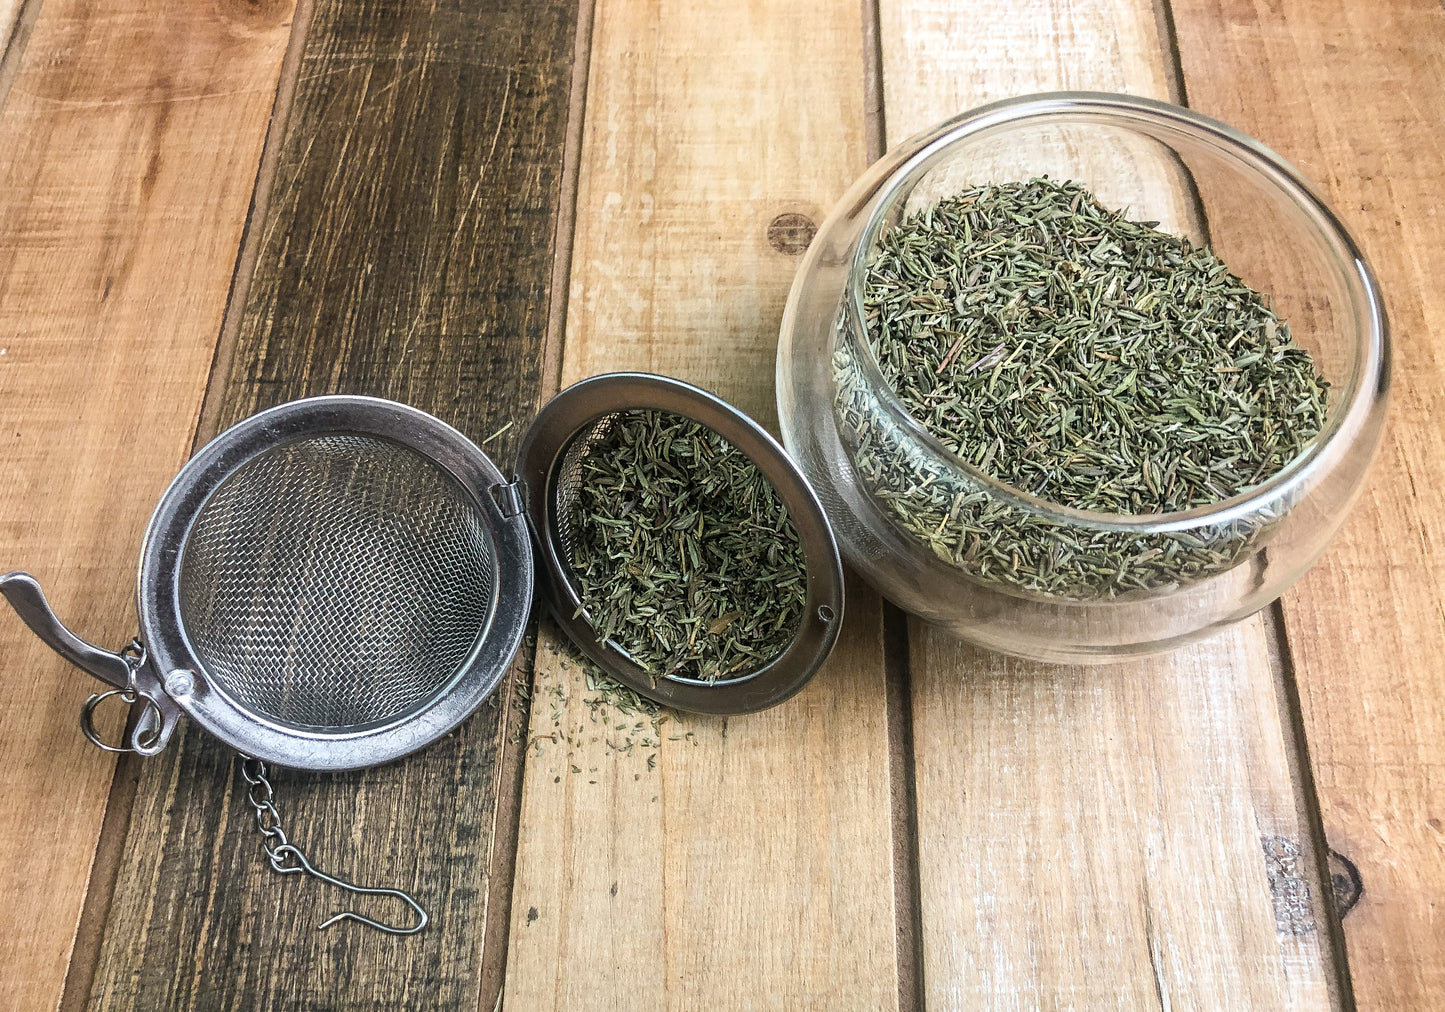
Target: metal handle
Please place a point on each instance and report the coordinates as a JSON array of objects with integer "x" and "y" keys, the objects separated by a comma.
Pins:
[
  {"x": 28, "y": 600},
  {"x": 126, "y": 671}
]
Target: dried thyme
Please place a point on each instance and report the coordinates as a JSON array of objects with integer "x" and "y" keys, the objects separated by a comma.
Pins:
[
  {"x": 1083, "y": 358},
  {"x": 620, "y": 722},
  {"x": 684, "y": 555}
]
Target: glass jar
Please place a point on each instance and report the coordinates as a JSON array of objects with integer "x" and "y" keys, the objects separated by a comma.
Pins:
[{"x": 944, "y": 540}]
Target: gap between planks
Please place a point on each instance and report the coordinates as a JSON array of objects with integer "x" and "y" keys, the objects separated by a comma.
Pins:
[
  {"x": 907, "y": 882},
  {"x": 508, "y": 810},
  {"x": 255, "y": 218},
  {"x": 1292, "y": 726},
  {"x": 898, "y": 678},
  {"x": 1275, "y": 635}
]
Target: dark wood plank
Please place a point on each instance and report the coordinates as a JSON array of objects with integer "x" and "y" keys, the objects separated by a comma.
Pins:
[
  {"x": 1353, "y": 94},
  {"x": 406, "y": 252}
]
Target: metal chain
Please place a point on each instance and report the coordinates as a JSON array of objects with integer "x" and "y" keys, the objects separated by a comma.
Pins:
[
  {"x": 268, "y": 820},
  {"x": 288, "y": 859}
]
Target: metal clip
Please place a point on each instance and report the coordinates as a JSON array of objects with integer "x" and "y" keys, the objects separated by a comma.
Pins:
[{"x": 134, "y": 654}]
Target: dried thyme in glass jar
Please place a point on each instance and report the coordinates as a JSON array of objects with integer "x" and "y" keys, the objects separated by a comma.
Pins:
[
  {"x": 1083, "y": 359},
  {"x": 684, "y": 556}
]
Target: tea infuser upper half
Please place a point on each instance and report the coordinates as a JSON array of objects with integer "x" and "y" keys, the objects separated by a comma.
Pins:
[{"x": 336, "y": 582}]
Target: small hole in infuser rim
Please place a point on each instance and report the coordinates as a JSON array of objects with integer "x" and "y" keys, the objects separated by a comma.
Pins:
[{"x": 825, "y": 613}]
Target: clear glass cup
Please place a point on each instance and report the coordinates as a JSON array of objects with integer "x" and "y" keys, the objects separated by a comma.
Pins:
[{"x": 1182, "y": 574}]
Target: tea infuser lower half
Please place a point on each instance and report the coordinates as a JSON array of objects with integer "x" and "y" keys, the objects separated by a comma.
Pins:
[{"x": 330, "y": 584}]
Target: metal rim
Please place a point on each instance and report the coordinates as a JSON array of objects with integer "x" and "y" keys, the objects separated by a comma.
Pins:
[
  {"x": 543, "y": 447},
  {"x": 158, "y": 606}
]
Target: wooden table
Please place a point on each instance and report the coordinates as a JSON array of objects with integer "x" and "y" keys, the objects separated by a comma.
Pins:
[{"x": 207, "y": 208}]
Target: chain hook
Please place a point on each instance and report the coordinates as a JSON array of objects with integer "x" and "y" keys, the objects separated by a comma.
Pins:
[
  {"x": 273, "y": 839},
  {"x": 279, "y": 855}
]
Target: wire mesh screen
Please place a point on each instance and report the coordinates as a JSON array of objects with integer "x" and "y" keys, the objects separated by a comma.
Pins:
[
  {"x": 569, "y": 486},
  {"x": 336, "y": 581}
]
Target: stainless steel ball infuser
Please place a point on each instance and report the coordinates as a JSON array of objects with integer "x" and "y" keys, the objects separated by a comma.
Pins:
[{"x": 339, "y": 581}]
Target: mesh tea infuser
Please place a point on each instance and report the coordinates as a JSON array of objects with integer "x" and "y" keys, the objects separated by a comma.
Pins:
[{"x": 336, "y": 582}]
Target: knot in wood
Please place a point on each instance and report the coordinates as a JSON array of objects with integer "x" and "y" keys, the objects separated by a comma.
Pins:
[{"x": 791, "y": 233}]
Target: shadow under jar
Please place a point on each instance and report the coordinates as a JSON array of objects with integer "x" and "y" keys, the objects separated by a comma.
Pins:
[{"x": 1003, "y": 568}]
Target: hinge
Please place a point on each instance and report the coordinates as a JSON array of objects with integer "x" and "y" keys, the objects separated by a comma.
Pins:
[{"x": 511, "y": 499}]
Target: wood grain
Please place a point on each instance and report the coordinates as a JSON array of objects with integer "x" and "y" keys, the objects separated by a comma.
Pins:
[
  {"x": 129, "y": 139},
  {"x": 1096, "y": 837},
  {"x": 406, "y": 252},
  {"x": 1353, "y": 96},
  {"x": 751, "y": 868}
]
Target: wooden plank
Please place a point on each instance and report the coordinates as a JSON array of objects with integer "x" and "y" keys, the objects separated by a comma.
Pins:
[
  {"x": 1095, "y": 837},
  {"x": 752, "y": 866},
  {"x": 1353, "y": 97},
  {"x": 406, "y": 252},
  {"x": 129, "y": 139}
]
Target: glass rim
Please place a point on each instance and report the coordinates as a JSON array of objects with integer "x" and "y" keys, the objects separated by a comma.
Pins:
[{"x": 1357, "y": 400}]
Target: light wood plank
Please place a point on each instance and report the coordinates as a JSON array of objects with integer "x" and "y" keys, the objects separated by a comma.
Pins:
[
  {"x": 752, "y": 867},
  {"x": 128, "y": 147},
  {"x": 406, "y": 252},
  {"x": 1354, "y": 96},
  {"x": 1093, "y": 837}
]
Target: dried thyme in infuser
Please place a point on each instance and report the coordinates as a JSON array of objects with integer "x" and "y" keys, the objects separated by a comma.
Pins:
[
  {"x": 684, "y": 554},
  {"x": 1086, "y": 359}
]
